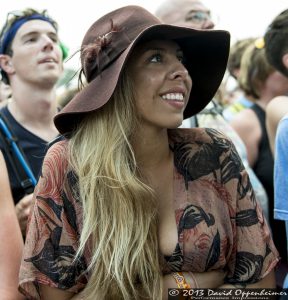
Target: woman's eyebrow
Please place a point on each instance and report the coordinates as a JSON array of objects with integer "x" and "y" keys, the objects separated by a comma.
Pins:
[
  {"x": 152, "y": 48},
  {"x": 160, "y": 49}
]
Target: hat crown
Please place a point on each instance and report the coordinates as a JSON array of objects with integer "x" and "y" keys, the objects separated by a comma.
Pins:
[
  {"x": 109, "y": 36},
  {"x": 110, "y": 41}
]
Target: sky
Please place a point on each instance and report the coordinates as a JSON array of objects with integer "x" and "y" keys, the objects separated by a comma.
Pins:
[{"x": 243, "y": 18}]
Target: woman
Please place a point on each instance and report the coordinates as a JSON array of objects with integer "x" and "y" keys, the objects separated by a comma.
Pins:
[
  {"x": 11, "y": 239},
  {"x": 106, "y": 221},
  {"x": 258, "y": 78}
]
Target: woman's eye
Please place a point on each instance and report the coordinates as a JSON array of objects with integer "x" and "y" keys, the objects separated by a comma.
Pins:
[
  {"x": 156, "y": 58},
  {"x": 182, "y": 59}
]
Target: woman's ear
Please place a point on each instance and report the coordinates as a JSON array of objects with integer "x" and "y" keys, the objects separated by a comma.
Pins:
[
  {"x": 285, "y": 60},
  {"x": 6, "y": 63}
]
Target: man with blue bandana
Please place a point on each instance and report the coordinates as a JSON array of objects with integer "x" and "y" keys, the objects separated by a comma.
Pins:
[{"x": 31, "y": 62}]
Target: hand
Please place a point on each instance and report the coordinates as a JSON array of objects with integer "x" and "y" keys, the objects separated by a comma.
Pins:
[{"x": 23, "y": 208}]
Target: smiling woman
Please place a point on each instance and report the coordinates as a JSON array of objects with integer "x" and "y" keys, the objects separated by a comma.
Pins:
[
  {"x": 163, "y": 83},
  {"x": 128, "y": 205}
]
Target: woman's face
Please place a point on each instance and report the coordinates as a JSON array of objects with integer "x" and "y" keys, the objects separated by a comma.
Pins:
[{"x": 161, "y": 82}]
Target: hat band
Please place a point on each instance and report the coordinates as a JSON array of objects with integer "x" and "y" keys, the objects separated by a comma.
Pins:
[{"x": 11, "y": 32}]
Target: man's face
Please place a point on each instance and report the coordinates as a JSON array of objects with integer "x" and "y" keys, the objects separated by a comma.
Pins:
[
  {"x": 37, "y": 56},
  {"x": 193, "y": 14}
]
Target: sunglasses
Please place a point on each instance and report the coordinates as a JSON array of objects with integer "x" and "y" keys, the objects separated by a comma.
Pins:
[
  {"x": 15, "y": 15},
  {"x": 198, "y": 16}
]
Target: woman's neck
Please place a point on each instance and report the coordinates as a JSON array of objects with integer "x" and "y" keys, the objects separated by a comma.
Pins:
[{"x": 151, "y": 149}]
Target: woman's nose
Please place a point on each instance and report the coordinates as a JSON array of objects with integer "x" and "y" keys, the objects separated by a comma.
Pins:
[{"x": 178, "y": 72}]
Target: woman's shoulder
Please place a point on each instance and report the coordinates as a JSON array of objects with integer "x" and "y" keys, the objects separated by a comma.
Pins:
[
  {"x": 276, "y": 110},
  {"x": 202, "y": 151},
  {"x": 56, "y": 156},
  {"x": 58, "y": 148},
  {"x": 205, "y": 144},
  {"x": 196, "y": 135}
]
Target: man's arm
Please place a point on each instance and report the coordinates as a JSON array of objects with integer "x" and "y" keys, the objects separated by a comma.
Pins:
[{"x": 11, "y": 240}]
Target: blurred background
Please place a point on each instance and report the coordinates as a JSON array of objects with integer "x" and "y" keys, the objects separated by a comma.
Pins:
[{"x": 245, "y": 18}]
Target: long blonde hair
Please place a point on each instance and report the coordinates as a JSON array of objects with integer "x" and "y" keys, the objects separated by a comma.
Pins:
[{"x": 119, "y": 209}]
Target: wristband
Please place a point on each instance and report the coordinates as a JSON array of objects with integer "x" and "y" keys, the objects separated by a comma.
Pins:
[{"x": 180, "y": 280}]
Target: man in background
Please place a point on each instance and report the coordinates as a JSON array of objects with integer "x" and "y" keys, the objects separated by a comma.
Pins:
[
  {"x": 31, "y": 62},
  {"x": 189, "y": 13}
]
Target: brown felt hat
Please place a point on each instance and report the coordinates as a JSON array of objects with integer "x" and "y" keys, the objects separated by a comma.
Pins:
[{"x": 109, "y": 42}]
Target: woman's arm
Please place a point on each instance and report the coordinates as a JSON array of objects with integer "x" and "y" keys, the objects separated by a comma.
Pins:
[
  {"x": 267, "y": 282},
  {"x": 212, "y": 279},
  {"x": 11, "y": 240},
  {"x": 48, "y": 293}
]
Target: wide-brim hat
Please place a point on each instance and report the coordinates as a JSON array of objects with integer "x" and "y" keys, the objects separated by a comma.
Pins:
[{"x": 109, "y": 42}]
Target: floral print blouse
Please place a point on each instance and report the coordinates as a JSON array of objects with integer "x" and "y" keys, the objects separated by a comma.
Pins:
[{"x": 220, "y": 224}]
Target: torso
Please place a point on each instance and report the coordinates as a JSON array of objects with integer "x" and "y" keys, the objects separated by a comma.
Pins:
[
  {"x": 206, "y": 193},
  {"x": 167, "y": 232},
  {"x": 34, "y": 148}
]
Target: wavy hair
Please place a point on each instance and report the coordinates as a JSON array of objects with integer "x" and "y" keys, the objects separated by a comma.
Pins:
[{"x": 119, "y": 209}]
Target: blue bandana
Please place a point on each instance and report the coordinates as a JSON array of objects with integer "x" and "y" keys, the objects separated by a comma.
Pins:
[{"x": 11, "y": 32}]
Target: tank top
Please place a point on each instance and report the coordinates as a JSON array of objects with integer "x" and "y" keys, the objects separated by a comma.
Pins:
[
  {"x": 34, "y": 149},
  {"x": 263, "y": 169}
]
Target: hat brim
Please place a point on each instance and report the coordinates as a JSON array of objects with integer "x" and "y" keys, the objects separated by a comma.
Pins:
[{"x": 206, "y": 53}]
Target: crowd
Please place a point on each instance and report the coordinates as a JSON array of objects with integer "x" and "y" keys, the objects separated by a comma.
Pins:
[{"x": 151, "y": 174}]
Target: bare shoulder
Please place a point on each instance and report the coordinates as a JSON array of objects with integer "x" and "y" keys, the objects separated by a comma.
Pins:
[
  {"x": 276, "y": 109},
  {"x": 245, "y": 120},
  {"x": 277, "y": 101}
]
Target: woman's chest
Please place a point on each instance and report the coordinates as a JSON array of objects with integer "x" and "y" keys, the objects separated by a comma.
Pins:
[{"x": 204, "y": 226}]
